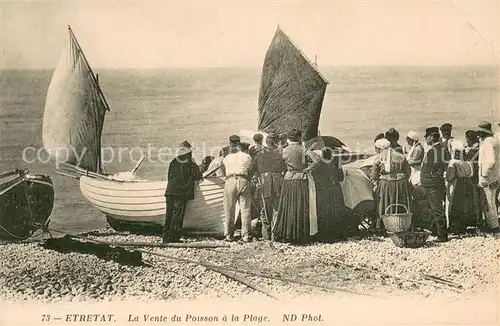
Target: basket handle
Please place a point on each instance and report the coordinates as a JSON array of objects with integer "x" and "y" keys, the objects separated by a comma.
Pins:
[{"x": 387, "y": 208}]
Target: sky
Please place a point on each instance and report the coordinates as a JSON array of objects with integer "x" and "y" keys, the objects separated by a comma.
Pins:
[{"x": 212, "y": 34}]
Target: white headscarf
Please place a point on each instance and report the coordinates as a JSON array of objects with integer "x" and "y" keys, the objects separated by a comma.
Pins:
[
  {"x": 413, "y": 135},
  {"x": 382, "y": 143},
  {"x": 456, "y": 145}
]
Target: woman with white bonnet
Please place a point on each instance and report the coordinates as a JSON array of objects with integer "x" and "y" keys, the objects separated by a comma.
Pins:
[
  {"x": 416, "y": 150},
  {"x": 461, "y": 205},
  {"x": 391, "y": 174}
]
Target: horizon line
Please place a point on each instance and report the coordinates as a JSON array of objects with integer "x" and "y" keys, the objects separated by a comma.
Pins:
[{"x": 260, "y": 67}]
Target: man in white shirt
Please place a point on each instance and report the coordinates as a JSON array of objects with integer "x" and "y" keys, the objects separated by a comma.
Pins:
[
  {"x": 239, "y": 168},
  {"x": 489, "y": 172}
]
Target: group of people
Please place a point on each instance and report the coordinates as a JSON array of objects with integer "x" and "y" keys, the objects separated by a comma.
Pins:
[
  {"x": 460, "y": 181},
  {"x": 295, "y": 193}
]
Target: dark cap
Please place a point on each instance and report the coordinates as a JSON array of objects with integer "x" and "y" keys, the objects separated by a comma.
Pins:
[
  {"x": 471, "y": 134},
  {"x": 258, "y": 137},
  {"x": 234, "y": 139},
  {"x": 431, "y": 130},
  {"x": 446, "y": 126},
  {"x": 379, "y": 136}
]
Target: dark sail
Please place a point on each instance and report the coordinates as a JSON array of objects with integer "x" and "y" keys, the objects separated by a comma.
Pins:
[{"x": 292, "y": 90}]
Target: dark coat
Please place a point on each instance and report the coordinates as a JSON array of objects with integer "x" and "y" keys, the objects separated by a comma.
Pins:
[
  {"x": 472, "y": 155},
  {"x": 183, "y": 172},
  {"x": 434, "y": 165},
  {"x": 398, "y": 148}
]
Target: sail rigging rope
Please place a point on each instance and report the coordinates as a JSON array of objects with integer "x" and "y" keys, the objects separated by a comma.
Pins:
[{"x": 12, "y": 235}]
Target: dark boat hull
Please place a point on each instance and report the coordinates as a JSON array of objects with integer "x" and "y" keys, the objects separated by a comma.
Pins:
[{"x": 26, "y": 203}]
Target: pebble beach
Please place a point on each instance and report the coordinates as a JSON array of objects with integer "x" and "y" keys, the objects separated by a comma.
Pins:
[{"x": 370, "y": 266}]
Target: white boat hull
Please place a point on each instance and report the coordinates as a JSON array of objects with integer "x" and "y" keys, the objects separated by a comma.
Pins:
[{"x": 144, "y": 202}]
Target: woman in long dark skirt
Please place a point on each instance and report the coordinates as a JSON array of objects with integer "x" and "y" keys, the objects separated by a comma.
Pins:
[
  {"x": 292, "y": 221},
  {"x": 472, "y": 155},
  {"x": 391, "y": 174},
  {"x": 329, "y": 197},
  {"x": 460, "y": 189}
]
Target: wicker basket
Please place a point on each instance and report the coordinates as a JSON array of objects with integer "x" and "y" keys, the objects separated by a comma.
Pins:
[
  {"x": 410, "y": 239},
  {"x": 398, "y": 222}
]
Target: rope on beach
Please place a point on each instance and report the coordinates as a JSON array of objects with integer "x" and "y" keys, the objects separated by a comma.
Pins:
[
  {"x": 233, "y": 272},
  {"x": 286, "y": 280},
  {"x": 238, "y": 278},
  {"x": 372, "y": 270}
]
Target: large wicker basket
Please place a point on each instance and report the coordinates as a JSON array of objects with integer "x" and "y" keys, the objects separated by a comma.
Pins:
[
  {"x": 397, "y": 222},
  {"x": 410, "y": 239}
]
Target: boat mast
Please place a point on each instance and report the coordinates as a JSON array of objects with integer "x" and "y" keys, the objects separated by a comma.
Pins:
[
  {"x": 93, "y": 78},
  {"x": 95, "y": 81}
]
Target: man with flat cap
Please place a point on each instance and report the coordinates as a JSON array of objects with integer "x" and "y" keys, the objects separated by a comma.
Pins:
[
  {"x": 283, "y": 140},
  {"x": 446, "y": 136},
  {"x": 239, "y": 169},
  {"x": 270, "y": 167},
  {"x": 489, "y": 172},
  {"x": 432, "y": 179},
  {"x": 257, "y": 146}
]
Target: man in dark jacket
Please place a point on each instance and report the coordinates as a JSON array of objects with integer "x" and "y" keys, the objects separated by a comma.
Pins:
[
  {"x": 270, "y": 166},
  {"x": 183, "y": 172},
  {"x": 432, "y": 178}
]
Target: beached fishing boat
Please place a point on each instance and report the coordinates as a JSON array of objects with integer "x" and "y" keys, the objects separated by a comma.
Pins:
[
  {"x": 26, "y": 202},
  {"x": 73, "y": 123}
]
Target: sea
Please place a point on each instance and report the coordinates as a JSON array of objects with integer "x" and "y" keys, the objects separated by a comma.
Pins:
[{"x": 152, "y": 111}]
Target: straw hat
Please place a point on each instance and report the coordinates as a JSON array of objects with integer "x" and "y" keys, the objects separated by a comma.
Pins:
[
  {"x": 184, "y": 148},
  {"x": 485, "y": 127}
]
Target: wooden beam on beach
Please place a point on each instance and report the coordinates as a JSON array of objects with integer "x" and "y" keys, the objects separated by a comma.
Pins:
[
  {"x": 244, "y": 280},
  {"x": 165, "y": 245},
  {"x": 151, "y": 244}
]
